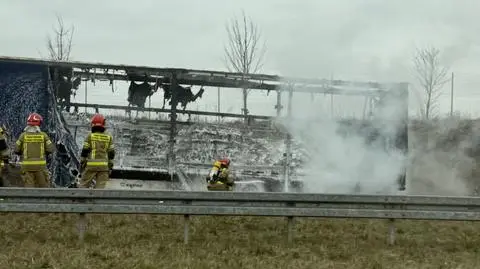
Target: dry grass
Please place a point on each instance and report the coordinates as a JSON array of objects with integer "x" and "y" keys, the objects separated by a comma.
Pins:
[{"x": 137, "y": 241}]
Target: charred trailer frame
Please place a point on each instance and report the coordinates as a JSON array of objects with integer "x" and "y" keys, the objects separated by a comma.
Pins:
[{"x": 210, "y": 78}]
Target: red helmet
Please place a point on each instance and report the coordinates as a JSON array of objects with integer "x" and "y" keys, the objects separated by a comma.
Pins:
[
  {"x": 225, "y": 162},
  {"x": 98, "y": 120},
  {"x": 34, "y": 119}
]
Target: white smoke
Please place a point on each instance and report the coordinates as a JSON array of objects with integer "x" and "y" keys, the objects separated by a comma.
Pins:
[
  {"x": 344, "y": 164},
  {"x": 436, "y": 161},
  {"x": 439, "y": 162}
]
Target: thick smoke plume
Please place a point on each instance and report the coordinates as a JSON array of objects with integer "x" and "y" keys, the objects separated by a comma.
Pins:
[
  {"x": 442, "y": 157},
  {"x": 359, "y": 155},
  {"x": 349, "y": 155}
]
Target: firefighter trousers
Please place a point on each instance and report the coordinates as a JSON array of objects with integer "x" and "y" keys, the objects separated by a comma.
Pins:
[
  {"x": 222, "y": 184},
  {"x": 36, "y": 179},
  {"x": 101, "y": 178},
  {"x": 219, "y": 186}
]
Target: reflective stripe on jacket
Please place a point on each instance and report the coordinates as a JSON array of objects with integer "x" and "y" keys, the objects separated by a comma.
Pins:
[
  {"x": 99, "y": 145},
  {"x": 33, "y": 147}
]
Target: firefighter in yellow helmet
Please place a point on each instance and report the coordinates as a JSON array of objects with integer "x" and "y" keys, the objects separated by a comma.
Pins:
[
  {"x": 33, "y": 146},
  {"x": 97, "y": 155},
  {"x": 4, "y": 154},
  {"x": 219, "y": 178}
]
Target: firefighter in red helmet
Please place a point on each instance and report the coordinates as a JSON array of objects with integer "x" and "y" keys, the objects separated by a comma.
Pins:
[
  {"x": 34, "y": 146},
  {"x": 97, "y": 155},
  {"x": 219, "y": 177}
]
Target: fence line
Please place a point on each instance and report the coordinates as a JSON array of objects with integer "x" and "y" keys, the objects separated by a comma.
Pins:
[{"x": 290, "y": 205}]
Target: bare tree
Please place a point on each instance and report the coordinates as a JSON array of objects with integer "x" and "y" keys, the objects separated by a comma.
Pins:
[
  {"x": 60, "y": 46},
  {"x": 244, "y": 53},
  {"x": 431, "y": 75}
]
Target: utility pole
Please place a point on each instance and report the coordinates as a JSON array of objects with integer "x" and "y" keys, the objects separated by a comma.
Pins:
[{"x": 451, "y": 97}]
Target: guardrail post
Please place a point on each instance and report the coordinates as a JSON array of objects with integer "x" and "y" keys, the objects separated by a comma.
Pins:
[
  {"x": 290, "y": 228},
  {"x": 391, "y": 231},
  {"x": 290, "y": 225},
  {"x": 186, "y": 222},
  {"x": 81, "y": 226}
]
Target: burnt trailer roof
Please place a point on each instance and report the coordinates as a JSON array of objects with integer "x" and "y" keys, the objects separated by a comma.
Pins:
[{"x": 213, "y": 78}]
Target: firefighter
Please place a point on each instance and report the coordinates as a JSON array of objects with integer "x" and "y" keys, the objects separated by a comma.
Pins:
[
  {"x": 98, "y": 153},
  {"x": 219, "y": 177},
  {"x": 4, "y": 154},
  {"x": 34, "y": 146}
]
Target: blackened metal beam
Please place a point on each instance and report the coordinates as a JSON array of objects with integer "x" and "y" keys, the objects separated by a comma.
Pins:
[
  {"x": 139, "y": 174},
  {"x": 229, "y": 83},
  {"x": 160, "y": 110},
  {"x": 173, "y": 126},
  {"x": 137, "y": 68},
  {"x": 194, "y": 74},
  {"x": 186, "y": 80}
]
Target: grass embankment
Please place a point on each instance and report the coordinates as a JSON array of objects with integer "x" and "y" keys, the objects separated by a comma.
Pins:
[{"x": 137, "y": 241}]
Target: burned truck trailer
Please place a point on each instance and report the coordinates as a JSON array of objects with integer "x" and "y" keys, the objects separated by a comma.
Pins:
[{"x": 61, "y": 79}]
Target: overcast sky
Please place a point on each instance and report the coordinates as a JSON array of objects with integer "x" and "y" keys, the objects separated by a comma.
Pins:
[{"x": 343, "y": 39}]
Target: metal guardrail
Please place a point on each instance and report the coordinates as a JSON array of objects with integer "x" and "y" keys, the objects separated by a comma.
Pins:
[{"x": 288, "y": 205}]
